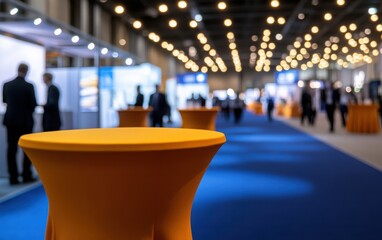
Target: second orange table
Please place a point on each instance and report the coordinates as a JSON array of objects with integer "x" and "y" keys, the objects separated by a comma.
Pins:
[
  {"x": 199, "y": 118},
  {"x": 133, "y": 117},
  {"x": 363, "y": 119}
]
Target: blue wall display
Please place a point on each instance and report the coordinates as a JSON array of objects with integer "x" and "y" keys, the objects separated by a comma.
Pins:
[
  {"x": 287, "y": 77},
  {"x": 191, "y": 78}
]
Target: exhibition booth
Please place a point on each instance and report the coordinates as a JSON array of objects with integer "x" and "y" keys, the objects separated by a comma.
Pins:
[{"x": 32, "y": 38}]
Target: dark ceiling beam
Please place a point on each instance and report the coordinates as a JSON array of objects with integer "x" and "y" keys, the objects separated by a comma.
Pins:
[{"x": 292, "y": 19}]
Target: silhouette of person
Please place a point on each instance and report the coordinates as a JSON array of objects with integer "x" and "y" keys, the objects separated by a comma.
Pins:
[
  {"x": 139, "y": 99},
  {"x": 270, "y": 107},
  {"x": 306, "y": 105},
  {"x": 330, "y": 97},
  {"x": 201, "y": 101},
  {"x": 192, "y": 101},
  {"x": 226, "y": 108},
  {"x": 51, "y": 120},
  {"x": 344, "y": 101},
  {"x": 313, "y": 111},
  {"x": 238, "y": 107},
  {"x": 19, "y": 97},
  {"x": 160, "y": 106}
]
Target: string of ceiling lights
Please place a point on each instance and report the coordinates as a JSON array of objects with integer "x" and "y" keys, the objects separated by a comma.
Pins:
[{"x": 352, "y": 46}]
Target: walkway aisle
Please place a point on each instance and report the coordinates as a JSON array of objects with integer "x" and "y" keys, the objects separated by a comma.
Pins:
[{"x": 268, "y": 182}]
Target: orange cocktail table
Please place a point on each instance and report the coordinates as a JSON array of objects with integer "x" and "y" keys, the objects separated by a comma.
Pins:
[
  {"x": 133, "y": 117},
  {"x": 121, "y": 183},
  {"x": 199, "y": 118},
  {"x": 363, "y": 118}
]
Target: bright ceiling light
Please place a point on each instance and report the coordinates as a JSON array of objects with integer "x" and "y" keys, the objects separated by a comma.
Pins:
[
  {"x": 129, "y": 61},
  {"x": 182, "y": 4},
  {"x": 122, "y": 42},
  {"x": 279, "y": 36},
  {"x": 137, "y": 24},
  {"x": 267, "y": 32},
  {"x": 270, "y": 20},
  {"x": 315, "y": 29},
  {"x": 374, "y": 17},
  {"x": 227, "y": 22},
  {"x": 275, "y": 3},
  {"x": 222, "y": 5},
  {"x": 308, "y": 37},
  {"x": 170, "y": 47},
  {"x": 104, "y": 51},
  {"x": 343, "y": 29},
  {"x": 198, "y": 18},
  {"x": 162, "y": 8},
  {"x": 301, "y": 16},
  {"x": 91, "y": 46},
  {"x": 119, "y": 9},
  {"x": 57, "y": 31},
  {"x": 340, "y": 2},
  {"x": 206, "y": 47},
  {"x": 75, "y": 39},
  {"x": 328, "y": 16},
  {"x": 353, "y": 27},
  {"x": 14, "y": 11},
  {"x": 164, "y": 44},
  {"x": 281, "y": 21},
  {"x": 372, "y": 11},
  {"x": 193, "y": 23},
  {"x": 172, "y": 23},
  {"x": 115, "y": 55},
  {"x": 37, "y": 21}
]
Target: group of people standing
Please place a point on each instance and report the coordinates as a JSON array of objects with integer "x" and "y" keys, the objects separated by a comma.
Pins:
[
  {"x": 19, "y": 97},
  {"x": 236, "y": 106},
  {"x": 331, "y": 98}
]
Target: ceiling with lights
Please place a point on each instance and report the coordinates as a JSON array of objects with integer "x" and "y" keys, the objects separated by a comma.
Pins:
[{"x": 258, "y": 35}]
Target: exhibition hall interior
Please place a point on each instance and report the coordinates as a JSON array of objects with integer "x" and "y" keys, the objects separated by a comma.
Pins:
[{"x": 191, "y": 119}]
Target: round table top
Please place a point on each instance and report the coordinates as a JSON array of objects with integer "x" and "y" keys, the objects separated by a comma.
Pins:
[
  {"x": 136, "y": 109},
  {"x": 121, "y": 139},
  {"x": 199, "y": 109}
]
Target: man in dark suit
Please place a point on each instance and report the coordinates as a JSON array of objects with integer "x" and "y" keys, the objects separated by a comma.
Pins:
[
  {"x": 139, "y": 99},
  {"x": 51, "y": 120},
  {"x": 19, "y": 96},
  {"x": 330, "y": 97},
  {"x": 159, "y": 105},
  {"x": 306, "y": 105}
]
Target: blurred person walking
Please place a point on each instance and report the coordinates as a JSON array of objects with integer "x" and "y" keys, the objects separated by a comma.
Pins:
[
  {"x": 238, "y": 107},
  {"x": 19, "y": 97},
  {"x": 139, "y": 99},
  {"x": 51, "y": 120},
  {"x": 306, "y": 105},
  {"x": 160, "y": 107},
  {"x": 330, "y": 97},
  {"x": 270, "y": 107}
]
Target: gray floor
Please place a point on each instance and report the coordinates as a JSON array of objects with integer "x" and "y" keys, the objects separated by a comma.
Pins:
[
  {"x": 7, "y": 191},
  {"x": 365, "y": 147}
]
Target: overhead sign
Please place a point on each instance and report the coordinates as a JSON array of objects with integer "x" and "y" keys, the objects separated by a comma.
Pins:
[
  {"x": 287, "y": 77},
  {"x": 191, "y": 78}
]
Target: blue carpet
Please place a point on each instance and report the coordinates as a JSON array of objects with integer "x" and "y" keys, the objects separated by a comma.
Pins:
[{"x": 269, "y": 181}]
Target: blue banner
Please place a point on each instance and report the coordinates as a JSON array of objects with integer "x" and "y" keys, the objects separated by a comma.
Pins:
[
  {"x": 287, "y": 77},
  {"x": 191, "y": 78}
]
